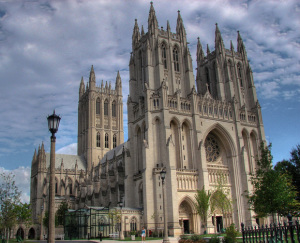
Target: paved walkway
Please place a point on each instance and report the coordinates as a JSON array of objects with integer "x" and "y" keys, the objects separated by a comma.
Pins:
[{"x": 172, "y": 239}]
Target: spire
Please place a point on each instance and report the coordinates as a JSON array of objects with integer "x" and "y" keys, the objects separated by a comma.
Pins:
[
  {"x": 200, "y": 53},
  {"x": 136, "y": 34},
  {"x": 218, "y": 39},
  {"x": 34, "y": 156},
  {"x": 168, "y": 26},
  {"x": 152, "y": 20},
  {"x": 92, "y": 79},
  {"x": 241, "y": 47},
  {"x": 81, "y": 87},
  {"x": 118, "y": 85},
  {"x": 142, "y": 31},
  {"x": 180, "y": 30},
  {"x": 240, "y": 43},
  {"x": 207, "y": 50},
  {"x": 231, "y": 46}
]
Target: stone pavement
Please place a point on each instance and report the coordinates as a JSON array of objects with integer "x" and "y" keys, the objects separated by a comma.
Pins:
[{"x": 171, "y": 239}]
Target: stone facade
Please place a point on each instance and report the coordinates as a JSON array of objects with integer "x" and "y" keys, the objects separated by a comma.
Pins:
[{"x": 199, "y": 130}]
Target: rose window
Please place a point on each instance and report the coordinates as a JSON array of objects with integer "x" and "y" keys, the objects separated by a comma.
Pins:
[{"x": 212, "y": 149}]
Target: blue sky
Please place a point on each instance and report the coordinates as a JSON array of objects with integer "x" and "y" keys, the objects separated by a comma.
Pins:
[{"x": 46, "y": 46}]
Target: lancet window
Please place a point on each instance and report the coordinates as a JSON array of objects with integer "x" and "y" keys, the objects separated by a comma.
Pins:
[
  {"x": 114, "y": 141},
  {"x": 98, "y": 106},
  {"x": 106, "y": 140},
  {"x": 113, "y": 109},
  {"x": 98, "y": 143},
  {"x": 106, "y": 108},
  {"x": 164, "y": 56},
  {"x": 176, "y": 59}
]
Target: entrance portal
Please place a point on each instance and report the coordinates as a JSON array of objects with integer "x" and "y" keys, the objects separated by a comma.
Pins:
[
  {"x": 31, "y": 234},
  {"x": 186, "y": 226},
  {"x": 20, "y": 233},
  {"x": 219, "y": 223}
]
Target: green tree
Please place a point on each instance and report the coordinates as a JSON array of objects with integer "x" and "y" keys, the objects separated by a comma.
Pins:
[
  {"x": 202, "y": 205},
  {"x": 292, "y": 168},
  {"x": 24, "y": 216},
  {"x": 9, "y": 199},
  {"x": 61, "y": 211},
  {"x": 46, "y": 219},
  {"x": 219, "y": 199},
  {"x": 273, "y": 191}
]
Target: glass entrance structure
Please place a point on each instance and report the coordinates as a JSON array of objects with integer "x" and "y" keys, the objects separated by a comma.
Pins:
[{"x": 88, "y": 223}]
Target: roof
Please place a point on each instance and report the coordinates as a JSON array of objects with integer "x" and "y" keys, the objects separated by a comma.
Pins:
[
  {"x": 115, "y": 151},
  {"x": 68, "y": 160}
]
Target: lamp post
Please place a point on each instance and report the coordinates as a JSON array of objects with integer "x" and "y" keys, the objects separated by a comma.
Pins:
[
  {"x": 163, "y": 176},
  {"x": 53, "y": 123},
  {"x": 121, "y": 226}
]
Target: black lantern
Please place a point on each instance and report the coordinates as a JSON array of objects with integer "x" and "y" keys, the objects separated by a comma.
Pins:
[
  {"x": 53, "y": 123},
  {"x": 163, "y": 174}
]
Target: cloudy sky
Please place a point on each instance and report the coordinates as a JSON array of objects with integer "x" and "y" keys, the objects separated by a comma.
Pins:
[{"x": 46, "y": 46}]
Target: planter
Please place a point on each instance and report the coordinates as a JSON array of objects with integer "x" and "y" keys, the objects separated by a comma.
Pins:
[{"x": 132, "y": 237}]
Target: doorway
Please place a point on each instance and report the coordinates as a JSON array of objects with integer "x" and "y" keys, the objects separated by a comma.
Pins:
[
  {"x": 219, "y": 223},
  {"x": 186, "y": 226}
]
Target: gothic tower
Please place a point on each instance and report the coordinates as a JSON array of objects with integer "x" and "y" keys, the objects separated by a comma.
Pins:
[
  {"x": 100, "y": 119},
  {"x": 197, "y": 135}
]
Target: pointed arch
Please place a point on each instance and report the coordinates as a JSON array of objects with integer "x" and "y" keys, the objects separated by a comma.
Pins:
[
  {"x": 175, "y": 133},
  {"x": 224, "y": 136},
  {"x": 105, "y": 107},
  {"x": 113, "y": 109},
  {"x": 98, "y": 106},
  {"x": 106, "y": 140},
  {"x": 114, "y": 140},
  {"x": 98, "y": 140},
  {"x": 186, "y": 145},
  {"x": 164, "y": 54},
  {"x": 176, "y": 58},
  {"x": 157, "y": 138}
]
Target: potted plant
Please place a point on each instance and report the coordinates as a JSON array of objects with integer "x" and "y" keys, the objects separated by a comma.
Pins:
[{"x": 132, "y": 235}]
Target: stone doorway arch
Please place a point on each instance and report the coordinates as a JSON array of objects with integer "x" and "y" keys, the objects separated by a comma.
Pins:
[
  {"x": 186, "y": 220},
  {"x": 31, "y": 234},
  {"x": 20, "y": 233}
]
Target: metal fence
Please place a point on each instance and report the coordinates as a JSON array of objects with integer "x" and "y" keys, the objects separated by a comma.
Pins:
[{"x": 288, "y": 232}]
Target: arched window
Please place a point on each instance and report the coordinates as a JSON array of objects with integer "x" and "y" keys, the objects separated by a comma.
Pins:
[
  {"x": 133, "y": 224},
  {"x": 113, "y": 109},
  {"x": 240, "y": 74},
  {"x": 207, "y": 79},
  {"x": 98, "y": 106},
  {"x": 114, "y": 141},
  {"x": 176, "y": 59},
  {"x": 106, "y": 140},
  {"x": 56, "y": 186},
  {"x": 105, "y": 108},
  {"x": 98, "y": 143},
  {"x": 164, "y": 56},
  {"x": 70, "y": 185}
]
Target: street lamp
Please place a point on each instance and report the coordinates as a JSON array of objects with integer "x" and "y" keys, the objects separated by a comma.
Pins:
[
  {"x": 163, "y": 176},
  {"x": 121, "y": 230},
  {"x": 53, "y": 123}
]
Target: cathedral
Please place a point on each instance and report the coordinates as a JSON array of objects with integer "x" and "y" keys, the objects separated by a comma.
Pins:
[{"x": 198, "y": 129}]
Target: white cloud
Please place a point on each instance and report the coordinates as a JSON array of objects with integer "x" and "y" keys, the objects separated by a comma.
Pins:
[{"x": 69, "y": 149}]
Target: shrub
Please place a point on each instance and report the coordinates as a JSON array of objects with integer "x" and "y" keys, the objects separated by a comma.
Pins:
[
  {"x": 231, "y": 234},
  {"x": 214, "y": 239},
  {"x": 195, "y": 237}
]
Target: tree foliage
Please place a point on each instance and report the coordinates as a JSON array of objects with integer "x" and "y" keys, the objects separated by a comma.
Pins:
[
  {"x": 61, "y": 211},
  {"x": 202, "y": 205},
  {"x": 12, "y": 211},
  {"x": 273, "y": 192},
  {"x": 46, "y": 220},
  {"x": 292, "y": 167}
]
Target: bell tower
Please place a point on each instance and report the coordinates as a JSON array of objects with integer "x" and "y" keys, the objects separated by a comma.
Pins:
[{"x": 100, "y": 118}]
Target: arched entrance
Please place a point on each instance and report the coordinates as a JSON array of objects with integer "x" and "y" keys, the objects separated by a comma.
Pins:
[
  {"x": 186, "y": 218},
  {"x": 20, "y": 233},
  {"x": 31, "y": 234}
]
